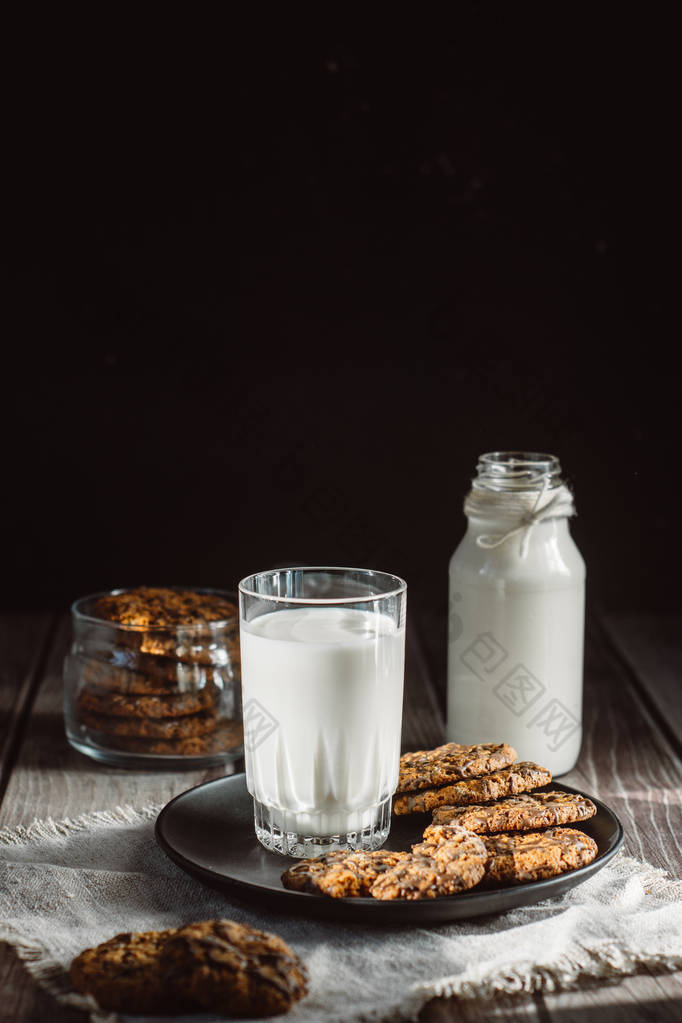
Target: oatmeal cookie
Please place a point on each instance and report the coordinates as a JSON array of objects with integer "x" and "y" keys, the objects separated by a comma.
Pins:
[
  {"x": 341, "y": 874},
  {"x": 226, "y": 967},
  {"x": 170, "y": 706},
  {"x": 185, "y": 625},
  {"x": 187, "y": 727},
  {"x": 518, "y": 813},
  {"x": 426, "y": 769},
  {"x": 129, "y": 672},
  {"x": 125, "y": 974},
  {"x": 228, "y": 736},
  {"x": 158, "y": 607},
  {"x": 188, "y": 645},
  {"x": 507, "y": 782},
  {"x": 434, "y": 869},
  {"x": 534, "y": 855}
]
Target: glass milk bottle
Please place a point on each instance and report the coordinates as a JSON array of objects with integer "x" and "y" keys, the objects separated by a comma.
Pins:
[{"x": 517, "y": 610}]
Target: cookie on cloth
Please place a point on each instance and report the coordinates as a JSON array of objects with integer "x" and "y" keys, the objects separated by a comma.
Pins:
[
  {"x": 226, "y": 967},
  {"x": 125, "y": 974}
]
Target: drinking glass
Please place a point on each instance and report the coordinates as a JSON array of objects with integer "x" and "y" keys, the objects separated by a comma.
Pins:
[{"x": 323, "y": 655}]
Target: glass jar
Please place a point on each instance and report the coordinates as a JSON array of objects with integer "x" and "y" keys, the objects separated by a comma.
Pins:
[
  {"x": 138, "y": 694},
  {"x": 517, "y": 607}
]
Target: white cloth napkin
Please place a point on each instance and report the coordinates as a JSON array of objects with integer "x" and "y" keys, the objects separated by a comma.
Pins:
[{"x": 68, "y": 885}]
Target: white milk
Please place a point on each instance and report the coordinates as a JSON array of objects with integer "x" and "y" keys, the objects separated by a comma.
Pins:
[
  {"x": 515, "y": 659},
  {"x": 322, "y": 690}
]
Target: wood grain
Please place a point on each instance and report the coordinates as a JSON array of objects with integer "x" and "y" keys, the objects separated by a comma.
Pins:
[
  {"x": 627, "y": 762},
  {"x": 23, "y": 640},
  {"x": 651, "y": 647},
  {"x": 423, "y": 725}
]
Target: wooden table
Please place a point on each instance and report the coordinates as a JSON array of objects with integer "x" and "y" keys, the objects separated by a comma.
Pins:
[{"x": 630, "y": 759}]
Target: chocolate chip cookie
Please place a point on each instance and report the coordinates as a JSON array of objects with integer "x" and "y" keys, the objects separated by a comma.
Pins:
[
  {"x": 186, "y": 625},
  {"x": 509, "y": 781},
  {"x": 426, "y": 769},
  {"x": 518, "y": 813},
  {"x": 159, "y": 607},
  {"x": 341, "y": 874},
  {"x": 226, "y": 967},
  {"x": 187, "y": 727},
  {"x": 126, "y": 974},
  {"x": 127, "y": 672},
  {"x": 534, "y": 855},
  {"x": 228, "y": 736},
  {"x": 132, "y": 706},
  {"x": 434, "y": 869}
]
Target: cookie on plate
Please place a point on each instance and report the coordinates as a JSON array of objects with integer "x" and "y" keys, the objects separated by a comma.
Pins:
[
  {"x": 341, "y": 874},
  {"x": 518, "y": 813},
  {"x": 433, "y": 869},
  {"x": 226, "y": 967},
  {"x": 426, "y": 769},
  {"x": 125, "y": 974},
  {"x": 508, "y": 781},
  {"x": 534, "y": 855}
]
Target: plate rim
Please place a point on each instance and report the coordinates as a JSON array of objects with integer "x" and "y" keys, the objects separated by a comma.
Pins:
[{"x": 362, "y": 903}]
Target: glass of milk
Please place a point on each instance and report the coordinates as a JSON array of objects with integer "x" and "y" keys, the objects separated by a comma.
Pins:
[{"x": 323, "y": 654}]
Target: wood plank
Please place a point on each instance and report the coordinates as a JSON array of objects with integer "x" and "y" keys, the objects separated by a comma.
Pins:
[
  {"x": 626, "y": 761},
  {"x": 23, "y": 1001},
  {"x": 651, "y": 646},
  {"x": 423, "y": 725},
  {"x": 629, "y": 763},
  {"x": 23, "y": 638},
  {"x": 642, "y": 997},
  {"x": 506, "y": 1009}
]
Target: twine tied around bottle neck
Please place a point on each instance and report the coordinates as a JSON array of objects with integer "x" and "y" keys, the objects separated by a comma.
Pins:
[{"x": 527, "y": 510}]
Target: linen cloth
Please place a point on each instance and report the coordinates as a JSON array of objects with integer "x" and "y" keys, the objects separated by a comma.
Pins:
[{"x": 68, "y": 885}]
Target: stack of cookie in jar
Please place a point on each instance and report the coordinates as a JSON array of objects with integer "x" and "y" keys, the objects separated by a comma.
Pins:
[
  {"x": 489, "y": 826},
  {"x": 154, "y": 672}
]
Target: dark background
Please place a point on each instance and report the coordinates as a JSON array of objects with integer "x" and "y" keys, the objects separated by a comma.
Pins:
[{"x": 272, "y": 291}]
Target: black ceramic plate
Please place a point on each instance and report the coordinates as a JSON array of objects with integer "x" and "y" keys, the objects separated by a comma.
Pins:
[{"x": 208, "y": 831}]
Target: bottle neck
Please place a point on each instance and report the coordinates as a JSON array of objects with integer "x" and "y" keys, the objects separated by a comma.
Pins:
[
  {"x": 498, "y": 519},
  {"x": 517, "y": 472}
]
